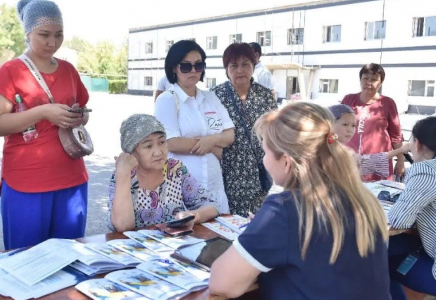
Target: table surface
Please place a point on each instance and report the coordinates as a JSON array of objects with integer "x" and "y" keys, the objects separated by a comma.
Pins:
[{"x": 199, "y": 231}]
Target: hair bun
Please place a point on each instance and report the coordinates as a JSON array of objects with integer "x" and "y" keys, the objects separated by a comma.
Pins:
[{"x": 20, "y": 7}]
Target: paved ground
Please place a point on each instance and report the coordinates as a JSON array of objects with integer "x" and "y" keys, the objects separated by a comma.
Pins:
[{"x": 108, "y": 113}]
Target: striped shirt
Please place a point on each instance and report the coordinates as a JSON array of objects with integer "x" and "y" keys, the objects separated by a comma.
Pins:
[{"x": 417, "y": 204}]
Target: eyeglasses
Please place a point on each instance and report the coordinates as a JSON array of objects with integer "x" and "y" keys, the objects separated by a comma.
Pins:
[{"x": 187, "y": 67}]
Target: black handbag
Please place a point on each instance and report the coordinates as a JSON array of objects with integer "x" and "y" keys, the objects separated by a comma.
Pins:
[{"x": 264, "y": 177}]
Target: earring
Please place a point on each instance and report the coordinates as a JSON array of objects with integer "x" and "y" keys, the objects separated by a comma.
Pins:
[{"x": 174, "y": 76}]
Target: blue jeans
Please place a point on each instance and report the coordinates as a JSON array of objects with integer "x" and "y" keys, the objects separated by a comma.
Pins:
[
  {"x": 31, "y": 218},
  {"x": 420, "y": 277}
]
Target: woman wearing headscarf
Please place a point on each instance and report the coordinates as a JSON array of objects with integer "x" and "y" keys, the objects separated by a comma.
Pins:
[
  {"x": 44, "y": 191},
  {"x": 147, "y": 188}
]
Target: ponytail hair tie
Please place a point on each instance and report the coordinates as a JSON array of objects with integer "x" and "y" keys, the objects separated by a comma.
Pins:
[{"x": 332, "y": 137}]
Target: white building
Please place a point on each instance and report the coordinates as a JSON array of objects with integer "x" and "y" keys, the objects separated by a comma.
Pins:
[{"x": 333, "y": 38}]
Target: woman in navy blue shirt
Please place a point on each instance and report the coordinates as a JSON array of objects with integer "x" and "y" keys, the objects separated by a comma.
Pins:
[{"x": 324, "y": 237}]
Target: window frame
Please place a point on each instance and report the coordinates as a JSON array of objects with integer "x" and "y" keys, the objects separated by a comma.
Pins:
[
  {"x": 374, "y": 28},
  {"x": 210, "y": 82},
  {"x": 212, "y": 42},
  {"x": 421, "y": 27},
  {"x": 323, "y": 82},
  {"x": 149, "y": 47},
  {"x": 262, "y": 40},
  {"x": 291, "y": 36},
  {"x": 148, "y": 78},
  {"x": 168, "y": 44},
  {"x": 327, "y": 34},
  {"x": 233, "y": 38},
  {"x": 427, "y": 84}
]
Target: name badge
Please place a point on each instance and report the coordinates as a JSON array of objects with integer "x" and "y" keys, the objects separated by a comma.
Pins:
[{"x": 213, "y": 120}]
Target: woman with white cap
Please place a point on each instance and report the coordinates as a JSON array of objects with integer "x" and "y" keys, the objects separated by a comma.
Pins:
[
  {"x": 44, "y": 191},
  {"x": 147, "y": 188}
]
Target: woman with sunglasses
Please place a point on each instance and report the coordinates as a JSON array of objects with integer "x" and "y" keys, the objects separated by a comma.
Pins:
[
  {"x": 246, "y": 101},
  {"x": 198, "y": 126}
]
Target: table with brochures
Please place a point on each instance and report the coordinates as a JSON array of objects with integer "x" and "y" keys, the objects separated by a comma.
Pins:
[{"x": 199, "y": 232}]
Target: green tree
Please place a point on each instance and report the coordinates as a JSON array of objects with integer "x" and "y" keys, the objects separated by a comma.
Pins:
[
  {"x": 11, "y": 32},
  {"x": 101, "y": 58}
]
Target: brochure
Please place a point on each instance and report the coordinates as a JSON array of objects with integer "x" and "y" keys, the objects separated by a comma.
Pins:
[
  {"x": 146, "y": 284},
  {"x": 114, "y": 253},
  {"x": 169, "y": 271},
  {"x": 104, "y": 289},
  {"x": 170, "y": 241},
  {"x": 147, "y": 242},
  {"x": 39, "y": 262},
  {"x": 18, "y": 290},
  {"x": 221, "y": 230},
  {"x": 133, "y": 248},
  {"x": 235, "y": 222}
]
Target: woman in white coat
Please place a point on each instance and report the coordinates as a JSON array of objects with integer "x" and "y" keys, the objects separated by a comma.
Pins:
[{"x": 198, "y": 126}]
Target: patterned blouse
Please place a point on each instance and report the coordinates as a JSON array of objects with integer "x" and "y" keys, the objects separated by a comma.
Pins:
[
  {"x": 239, "y": 164},
  {"x": 179, "y": 192}
]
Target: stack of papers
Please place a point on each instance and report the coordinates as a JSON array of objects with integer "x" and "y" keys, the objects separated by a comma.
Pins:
[
  {"x": 40, "y": 270},
  {"x": 169, "y": 241},
  {"x": 235, "y": 223},
  {"x": 221, "y": 230}
]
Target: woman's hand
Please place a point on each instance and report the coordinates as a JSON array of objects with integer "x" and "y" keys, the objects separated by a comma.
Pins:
[
  {"x": 399, "y": 168},
  {"x": 125, "y": 162},
  {"x": 405, "y": 148},
  {"x": 204, "y": 145},
  {"x": 59, "y": 115},
  {"x": 184, "y": 214},
  {"x": 80, "y": 119}
]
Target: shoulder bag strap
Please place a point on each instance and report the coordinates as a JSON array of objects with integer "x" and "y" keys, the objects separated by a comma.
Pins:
[
  {"x": 35, "y": 72},
  {"x": 244, "y": 124}
]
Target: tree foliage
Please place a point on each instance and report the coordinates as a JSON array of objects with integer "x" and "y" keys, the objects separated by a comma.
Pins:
[
  {"x": 102, "y": 58},
  {"x": 11, "y": 32}
]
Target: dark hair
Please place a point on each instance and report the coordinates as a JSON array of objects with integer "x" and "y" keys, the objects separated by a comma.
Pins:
[
  {"x": 237, "y": 50},
  {"x": 256, "y": 48},
  {"x": 372, "y": 69},
  {"x": 177, "y": 53},
  {"x": 425, "y": 131}
]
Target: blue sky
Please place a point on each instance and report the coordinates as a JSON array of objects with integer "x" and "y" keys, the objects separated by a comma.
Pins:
[{"x": 97, "y": 20}]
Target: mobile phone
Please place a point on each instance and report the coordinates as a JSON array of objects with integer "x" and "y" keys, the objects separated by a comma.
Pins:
[
  {"x": 180, "y": 222},
  {"x": 80, "y": 110}
]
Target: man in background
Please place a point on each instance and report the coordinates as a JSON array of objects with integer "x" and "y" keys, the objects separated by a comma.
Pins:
[
  {"x": 261, "y": 73},
  {"x": 162, "y": 85}
]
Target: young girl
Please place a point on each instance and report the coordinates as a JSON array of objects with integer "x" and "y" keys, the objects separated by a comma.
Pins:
[
  {"x": 325, "y": 236},
  {"x": 345, "y": 126},
  {"x": 416, "y": 205}
]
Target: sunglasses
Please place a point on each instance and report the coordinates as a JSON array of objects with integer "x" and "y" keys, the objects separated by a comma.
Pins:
[{"x": 187, "y": 67}]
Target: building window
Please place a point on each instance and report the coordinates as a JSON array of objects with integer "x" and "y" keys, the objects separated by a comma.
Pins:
[
  {"x": 148, "y": 81},
  {"x": 421, "y": 88},
  {"x": 264, "y": 38},
  {"x": 149, "y": 47},
  {"x": 332, "y": 34},
  {"x": 295, "y": 36},
  {"x": 375, "y": 30},
  {"x": 168, "y": 45},
  {"x": 210, "y": 83},
  {"x": 211, "y": 42},
  {"x": 328, "y": 85},
  {"x": 235, "y": 38},
  {"x": 193, "y": 39},
  {"x": 424, "y": 26}
]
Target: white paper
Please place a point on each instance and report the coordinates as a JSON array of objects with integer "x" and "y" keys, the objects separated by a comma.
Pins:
[
  {"x": 114, "y": 253},
  {"x": 170, "y": 241},
  {"x": 104, "y": 289},
  {"x": 234, "y": 222},
  {"x": 146, "y": 284},
  {"x": 173, "y": 273},
  {"x": 147, "y": 242},
  {"x": 39, "y": 262},
  {"x": 133, "y": 248},
  {"x": 21, "y": 291},
  {"x": 221, "y": 230}
]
